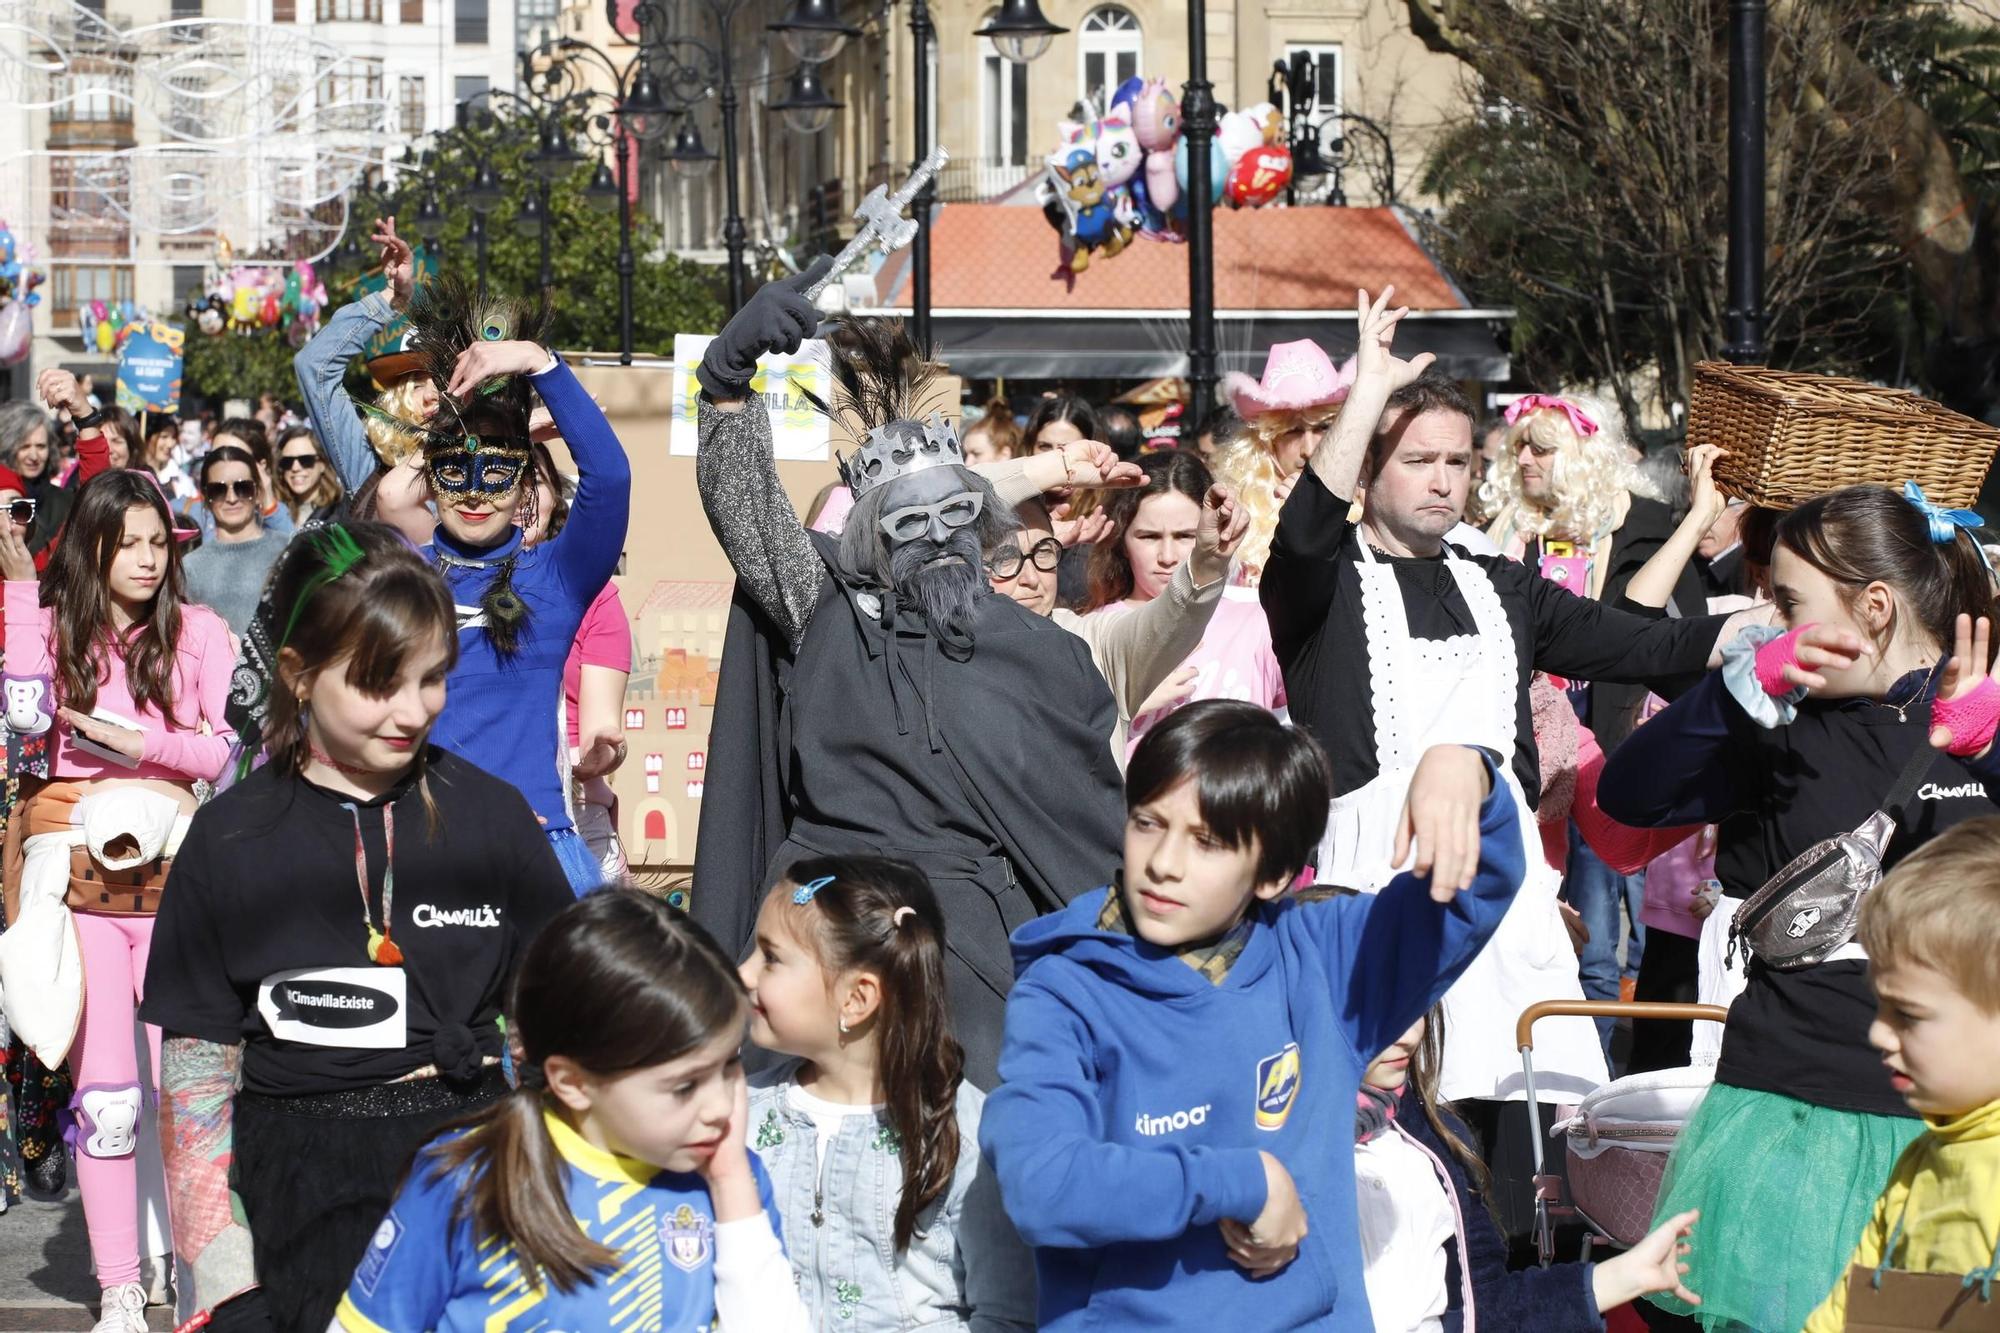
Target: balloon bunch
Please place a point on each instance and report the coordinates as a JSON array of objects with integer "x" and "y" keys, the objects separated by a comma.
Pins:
[
  {"x": 104, "y": 324},
  {"x": 17, "y": 297},
  {"x": 1125, "y": 173},
  {"x": 241, "y": 300}
]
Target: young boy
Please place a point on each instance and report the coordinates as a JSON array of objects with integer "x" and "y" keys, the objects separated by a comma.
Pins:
[
  {"x": 1183, "y": 1048},
  {"x": 1929, "y": 929}
]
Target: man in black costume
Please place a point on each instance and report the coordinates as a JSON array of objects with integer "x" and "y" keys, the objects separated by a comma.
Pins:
[{"x": 876, "y": 695}]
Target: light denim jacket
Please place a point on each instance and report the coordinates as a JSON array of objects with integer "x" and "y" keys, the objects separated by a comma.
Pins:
[
  {"x": 321, "y": 370},
  {"x": 965, "y": 1268}
]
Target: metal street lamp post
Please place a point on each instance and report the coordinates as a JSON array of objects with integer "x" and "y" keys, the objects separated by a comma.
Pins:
[
  {"x": 1744, "y": 313},
  {"x": 1198, "y": 128}
]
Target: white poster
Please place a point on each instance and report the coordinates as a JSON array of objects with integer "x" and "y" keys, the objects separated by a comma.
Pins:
[{"x": 799, "y": 432}]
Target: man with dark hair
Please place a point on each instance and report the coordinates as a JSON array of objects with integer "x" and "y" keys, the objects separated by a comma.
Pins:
[
  {"x": 1118, "y": 427},
  {"x": 1393, "y": 640}
]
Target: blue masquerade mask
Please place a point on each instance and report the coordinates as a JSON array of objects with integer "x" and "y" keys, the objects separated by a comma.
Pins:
[
  {"x": 485, "y": 471},
  {"x": 803, "y": 894}
]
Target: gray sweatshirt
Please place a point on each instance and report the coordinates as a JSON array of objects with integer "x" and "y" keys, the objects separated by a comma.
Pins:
[{"x": 229, "y": 576}]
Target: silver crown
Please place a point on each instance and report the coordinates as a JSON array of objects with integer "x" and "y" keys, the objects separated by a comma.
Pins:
[{"x": 898, "y": 449}]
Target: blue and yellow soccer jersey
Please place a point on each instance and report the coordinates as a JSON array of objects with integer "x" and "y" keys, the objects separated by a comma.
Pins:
[{"x": 426, "y": 1270}]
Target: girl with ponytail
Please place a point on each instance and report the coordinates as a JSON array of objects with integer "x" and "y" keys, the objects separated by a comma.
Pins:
[
  {"x": 612, "y": 1188},
  {"x": 870, "y": 1131},
  {"x": 330, "y": 966},
  {"x": 1809, "y": 727}
]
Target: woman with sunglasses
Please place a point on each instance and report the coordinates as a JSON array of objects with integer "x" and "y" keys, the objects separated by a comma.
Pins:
[
  {"x": 227, "y": 573},
  {"x": 1135, "y": 653},
  {"x": 1156, "y": 529},
  {"x": 308, "y": 487}
]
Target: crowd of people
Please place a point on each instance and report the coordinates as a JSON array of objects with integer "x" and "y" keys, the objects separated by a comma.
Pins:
[{"x": 1123, "y": 861}]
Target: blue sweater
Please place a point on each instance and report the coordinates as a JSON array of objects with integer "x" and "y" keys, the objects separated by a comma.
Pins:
[
  {"x": 504, "y": 714},
  {"x": 321, "y": 370},
  {"x": 1136, "y": 1095}
]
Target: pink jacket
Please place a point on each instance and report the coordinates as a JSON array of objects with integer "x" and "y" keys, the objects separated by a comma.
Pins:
[{"x": 203, "y": 660}]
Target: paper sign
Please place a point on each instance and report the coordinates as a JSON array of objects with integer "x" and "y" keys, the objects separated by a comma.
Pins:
[
  {"x": 799, "y": 432},
  {"x": 149, "y": 368}
]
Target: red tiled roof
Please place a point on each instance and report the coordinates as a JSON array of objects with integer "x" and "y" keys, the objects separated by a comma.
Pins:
[{"x": 997, "y": 256}]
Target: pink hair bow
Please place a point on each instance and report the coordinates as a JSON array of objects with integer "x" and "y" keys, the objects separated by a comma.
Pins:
[{"x": 1579, "y": 420}]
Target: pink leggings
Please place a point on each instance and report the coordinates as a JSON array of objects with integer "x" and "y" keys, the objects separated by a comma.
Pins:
[{"x": 105, "y": 1056}]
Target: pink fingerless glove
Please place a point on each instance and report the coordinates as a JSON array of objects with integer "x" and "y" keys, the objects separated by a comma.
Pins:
[
  {"x": 1773, "y": 658},
  {"x": 1972, "y": 719}
]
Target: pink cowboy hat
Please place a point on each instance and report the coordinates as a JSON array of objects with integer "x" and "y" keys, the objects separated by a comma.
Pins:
[{"x": 1297, "y": 376}]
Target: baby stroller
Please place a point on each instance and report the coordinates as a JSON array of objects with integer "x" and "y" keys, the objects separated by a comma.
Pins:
[{"x": 1616, "y": 1141}]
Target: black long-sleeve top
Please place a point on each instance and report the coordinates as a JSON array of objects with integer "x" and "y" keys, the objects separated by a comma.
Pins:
[
  {"x": 1775, "y": 793},
  {"x": 1311, "y": 591}
]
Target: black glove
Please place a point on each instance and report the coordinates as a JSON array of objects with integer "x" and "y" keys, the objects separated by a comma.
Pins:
[{"x": 777, "y": 319}]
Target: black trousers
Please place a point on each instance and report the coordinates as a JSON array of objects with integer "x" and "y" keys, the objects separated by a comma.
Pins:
[{"x": 315, "y": 1186}]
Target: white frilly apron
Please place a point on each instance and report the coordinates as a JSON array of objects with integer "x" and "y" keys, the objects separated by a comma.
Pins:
[{"x": 1462, "y": 691}]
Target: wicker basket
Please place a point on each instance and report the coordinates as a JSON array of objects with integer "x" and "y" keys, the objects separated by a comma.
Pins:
[{"x": 1789, "y": 436}]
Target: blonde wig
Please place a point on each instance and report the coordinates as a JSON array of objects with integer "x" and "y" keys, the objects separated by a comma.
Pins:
[
  {"x": 1588, "y": 481},
  {"x": 1248, "y": 465},
  {"x": 401, "y": 400}
]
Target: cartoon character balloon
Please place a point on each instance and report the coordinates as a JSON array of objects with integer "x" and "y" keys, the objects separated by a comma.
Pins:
[
  {"x": 1259, "y": 176},
  {"x": 1092, "y": 221},
  {"x": 1156, "y": 120},
  {"x": 1218, "y": 173},
  {"x": 1119, "y": 156}
]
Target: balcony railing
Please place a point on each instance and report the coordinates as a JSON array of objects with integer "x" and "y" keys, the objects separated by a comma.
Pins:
[{"x": 976, "y": 180}]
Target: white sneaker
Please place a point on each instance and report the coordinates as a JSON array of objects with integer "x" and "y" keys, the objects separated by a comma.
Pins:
[
  {"x": 156, "y": 1275},
  {"x": 123, "y": 1311}
]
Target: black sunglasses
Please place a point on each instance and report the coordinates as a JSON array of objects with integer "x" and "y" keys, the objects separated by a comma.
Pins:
[
  {"x": 297, "y": 462},
  {"x": 21, "y": 511},
  {"x": 1007, "y": 561},
  {"x": 215, "y": 491}
]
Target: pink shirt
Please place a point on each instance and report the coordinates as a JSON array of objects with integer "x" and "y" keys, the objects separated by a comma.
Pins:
[
  {"x": 604, "y": 639},
  {"x": 1234, "y": 660},
  {"x": 203, "y": 660}
]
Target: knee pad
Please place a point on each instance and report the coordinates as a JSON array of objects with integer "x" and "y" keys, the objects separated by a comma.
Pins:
[{"x": 107, "y": 1119}]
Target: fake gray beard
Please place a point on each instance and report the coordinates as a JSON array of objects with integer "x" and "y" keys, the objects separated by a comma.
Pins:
[{"x": 942, "y": 594}]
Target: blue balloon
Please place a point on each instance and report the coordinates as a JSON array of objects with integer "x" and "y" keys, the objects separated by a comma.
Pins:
[{"x": 1218, "y": 173}]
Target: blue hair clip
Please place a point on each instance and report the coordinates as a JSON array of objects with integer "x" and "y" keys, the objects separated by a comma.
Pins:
[
  {"x": 803, "y": 894},
  {"x": 1946, "y": 523}
]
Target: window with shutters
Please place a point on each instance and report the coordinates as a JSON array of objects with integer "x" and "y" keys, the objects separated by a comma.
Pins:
[
  {"x": 1107, "y": 47},
  {"x": 1327, "y": 71},
  {"x": 469, "y": 22},
  {"x": 410, "y": 104}
]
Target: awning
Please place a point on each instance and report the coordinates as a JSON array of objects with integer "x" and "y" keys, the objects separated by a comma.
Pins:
[
  {"x": 999, "y": 308},
  {"x": 1469, "y": 345}
]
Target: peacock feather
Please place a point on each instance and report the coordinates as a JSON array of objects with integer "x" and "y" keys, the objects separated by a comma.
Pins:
[{"x": 880, "y": 375}]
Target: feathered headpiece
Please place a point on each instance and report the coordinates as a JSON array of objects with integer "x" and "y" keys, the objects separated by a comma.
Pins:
[
  {"x": 881, "y": 378},
  {"x": 447, "y": 316}
]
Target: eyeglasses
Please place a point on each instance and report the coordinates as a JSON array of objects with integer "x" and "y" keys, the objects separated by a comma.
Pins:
[
  {"x": 297, "y": 462},
  {"x": 1006, "y": 562},
  {"x": 215, "y": 492},
  {"x": 21, "y": 511},
  {"x": 952, "y": 512}
]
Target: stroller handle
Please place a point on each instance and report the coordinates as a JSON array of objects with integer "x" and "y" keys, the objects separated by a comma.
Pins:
[{"x": 1524, "y": 1027}]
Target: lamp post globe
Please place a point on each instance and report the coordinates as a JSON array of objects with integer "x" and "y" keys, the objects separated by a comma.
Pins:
[
  {"x": 807, "y": 107},
  {"x": 813, "y": 32},
  {"x": 1020, "y": 31}
]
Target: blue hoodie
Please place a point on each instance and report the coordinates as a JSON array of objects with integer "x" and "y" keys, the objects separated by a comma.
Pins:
[{"x": 1135, "y": 1094}]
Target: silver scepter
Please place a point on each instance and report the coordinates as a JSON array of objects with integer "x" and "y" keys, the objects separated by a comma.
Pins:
[{"x": 882, "y": 221}]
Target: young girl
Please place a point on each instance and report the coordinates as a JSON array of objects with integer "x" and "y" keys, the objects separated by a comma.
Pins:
[
  {"x": 612, "y": 1188},
  {"x": 125, "y": 684},
  {"x": 1798, "y": 738},
  {"x": 1421, "y": 1204},
  {"x": 848, "y": 978},
  {"x": 330, "y": 967},
  {"x": 1153, "y": 532}
]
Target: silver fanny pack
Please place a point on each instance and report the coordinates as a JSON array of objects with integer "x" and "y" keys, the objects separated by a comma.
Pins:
[{"x": 1812, "y": 907}]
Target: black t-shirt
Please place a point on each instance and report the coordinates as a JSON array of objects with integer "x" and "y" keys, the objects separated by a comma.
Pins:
[
  {"x": 1311, "y": 591},
  {"x": 260, "y": 937},
  {"x": 1800, "y": 1033}
]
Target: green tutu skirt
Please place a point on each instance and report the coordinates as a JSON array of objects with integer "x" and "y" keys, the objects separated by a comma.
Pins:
[{"x": 1784, "y": 1188}]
